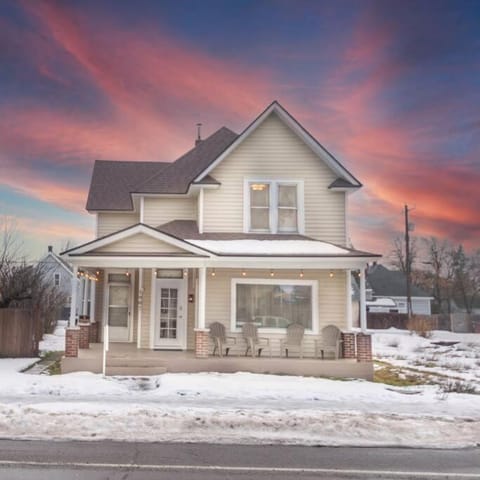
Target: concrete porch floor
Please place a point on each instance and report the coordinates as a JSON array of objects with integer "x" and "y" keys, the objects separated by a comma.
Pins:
[{"x": 126, "y": 359}]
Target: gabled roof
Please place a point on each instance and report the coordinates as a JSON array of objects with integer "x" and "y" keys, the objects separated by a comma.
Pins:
[
  {"x": 53, "y": 256},
  {"x": 299, "y": 130},
  {"x": 390, "y": 283},
  {"x": 113, "y": 183}
]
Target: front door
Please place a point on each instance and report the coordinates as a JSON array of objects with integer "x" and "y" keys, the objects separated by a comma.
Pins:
[
  {"x": 119, "y": 307},
  {"x": 171, "y": 314}
]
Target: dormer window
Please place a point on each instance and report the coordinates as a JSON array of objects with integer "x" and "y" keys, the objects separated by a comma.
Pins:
[{"x": 273, "y": 206}]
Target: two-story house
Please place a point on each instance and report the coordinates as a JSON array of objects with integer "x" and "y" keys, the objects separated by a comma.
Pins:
[{"x": 243, "y": 227}]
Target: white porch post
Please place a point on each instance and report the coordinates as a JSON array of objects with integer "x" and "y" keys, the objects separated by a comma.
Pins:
[
  {"x": 73, "y": 298},
  {"x": 348, "y": 274},
  {"x": 202, "y": 290},
  {"x": 363, "y": 305},
  {"x": 85, "y": 295},
  {"x": 92, "y": 300},
  {"x": 140, "y": 307}
]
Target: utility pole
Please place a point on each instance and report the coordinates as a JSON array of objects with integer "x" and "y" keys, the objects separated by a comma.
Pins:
[{"x": 408, "y": 270}]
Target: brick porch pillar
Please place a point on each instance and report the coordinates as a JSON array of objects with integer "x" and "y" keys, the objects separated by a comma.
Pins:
[
  {"x": 72, "y": 340},
  {"x": 364, "y": 347},
  {"x": 93, "y": 332},
  {"x": 201, "y": 342},
  {"x": 348, "y": 344},
  {"x": 84, "y": 341}
]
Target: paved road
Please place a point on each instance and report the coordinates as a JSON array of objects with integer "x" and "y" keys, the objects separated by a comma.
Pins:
[{"x": 28, "y": 460}]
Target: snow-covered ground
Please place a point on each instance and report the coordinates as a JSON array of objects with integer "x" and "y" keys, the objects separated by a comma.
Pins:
[
  {"x": 54, "y": 342},
  {"x": 444, "y": 356},
  {"x": 249, "y": 408}
]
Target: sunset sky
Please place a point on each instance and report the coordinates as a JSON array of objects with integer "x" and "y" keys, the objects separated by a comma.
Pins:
[{"x": 391, "y": 88}]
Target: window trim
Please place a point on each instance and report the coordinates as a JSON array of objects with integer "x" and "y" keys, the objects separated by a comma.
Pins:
[
  {"x": 57, "y": 279},
  {"x": 273, "y": 281},
  {"x": 273, "y": 216}
]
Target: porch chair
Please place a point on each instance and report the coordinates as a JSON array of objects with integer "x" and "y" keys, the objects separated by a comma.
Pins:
[
  {"x": 294, "y": 339},
  {"x": 330, "y": 342},
  {"x": 254, "y": 342},
  {"x": 220, "y": 339}
]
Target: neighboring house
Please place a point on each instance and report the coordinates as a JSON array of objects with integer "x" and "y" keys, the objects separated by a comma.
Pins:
[
  {"x": 391, "y": 285},
  {"x": 242, "y": 228},
  {"x": 59, "y": 274}
]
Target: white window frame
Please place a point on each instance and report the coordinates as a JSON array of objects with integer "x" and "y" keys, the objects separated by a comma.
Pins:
[
  {"x": 273, "y": 281},
  {"x": 273, "y": 203}
]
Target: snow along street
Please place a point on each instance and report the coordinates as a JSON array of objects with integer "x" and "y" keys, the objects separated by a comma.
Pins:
[{"x": 232, "y": 408}]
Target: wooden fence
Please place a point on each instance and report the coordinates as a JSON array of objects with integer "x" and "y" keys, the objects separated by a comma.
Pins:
[{"x": 19, "y": 333}]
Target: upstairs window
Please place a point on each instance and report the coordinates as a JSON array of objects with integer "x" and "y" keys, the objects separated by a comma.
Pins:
[
  {"x": 56, "y": 279},
  {"x": 274, "y": 206}
]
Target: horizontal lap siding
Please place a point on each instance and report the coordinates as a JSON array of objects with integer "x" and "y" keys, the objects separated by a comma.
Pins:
[
  {"x": 140, "y": 243},
  {"x": 274, "y": 152},
  {"x": 331, "y": 301},
  {"x": 157, "y": 211},
  {"x": 112, "y": 222}
]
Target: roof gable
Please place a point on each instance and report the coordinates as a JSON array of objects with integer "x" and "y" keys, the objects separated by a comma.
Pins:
[
  {"x": 276, "y": 109},
  {"x": 391, "y": 283}
]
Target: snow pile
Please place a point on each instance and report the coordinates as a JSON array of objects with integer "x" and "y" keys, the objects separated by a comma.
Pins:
[
  {"x": 232, "y": 408},
  {"x": 269, "y": 247},
  {"x": 54, "y": 342}
]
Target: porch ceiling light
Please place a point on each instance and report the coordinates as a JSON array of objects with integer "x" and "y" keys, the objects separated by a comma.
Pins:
[
  {"x": 244, "y": 273},
  {"x": 272, "y": 273},
  {"x": 331, "y": 274},
  {"x": 301, "y": 273},
  {"x": 213, "y": 272}
]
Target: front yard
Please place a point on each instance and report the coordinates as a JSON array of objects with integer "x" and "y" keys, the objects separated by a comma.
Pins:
[{"x": 416, "y": 407}]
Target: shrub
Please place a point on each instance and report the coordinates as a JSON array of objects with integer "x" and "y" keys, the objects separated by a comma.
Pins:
[{"x": 421, "y": 324}]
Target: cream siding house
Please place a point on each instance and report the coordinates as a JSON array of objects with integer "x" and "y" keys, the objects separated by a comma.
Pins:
[{"x": 242, "y": 228}]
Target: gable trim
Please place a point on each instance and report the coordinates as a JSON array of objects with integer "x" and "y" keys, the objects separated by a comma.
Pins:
[
  {"x": 129, "y": 232},
  {"x": 299, "y": 130},
  {"x": 59, "y": 262}
]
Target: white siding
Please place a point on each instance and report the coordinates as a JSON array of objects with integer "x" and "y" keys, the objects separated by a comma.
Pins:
[
  {"x": 273, "y": 151},
  {"x": 157, "y": 211},
  {"x": 331, "y": 302},
  {"x": 112, "y": 222},
  {"x": 140, "y": 243}
]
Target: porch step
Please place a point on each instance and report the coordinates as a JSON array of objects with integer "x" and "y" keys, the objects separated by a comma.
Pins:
[
  {"x": 120, "y": 361},
  {"x": 135, "y": 371}
]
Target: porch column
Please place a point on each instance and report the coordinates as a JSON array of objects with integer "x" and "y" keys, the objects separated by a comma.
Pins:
[
  {"x": 85, "y": 295},
  {"x": 93, "y": 284},
  {"x": 201, "y": 333},
  {"x": 73, "y": 298},
  {"x": 363, "y": 304},
  {"x": 202, "y": 290},
  {"x": 348, "y": 274}
]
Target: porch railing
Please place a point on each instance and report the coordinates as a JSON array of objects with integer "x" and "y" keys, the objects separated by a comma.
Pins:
[{"x": 106, "y": 341}]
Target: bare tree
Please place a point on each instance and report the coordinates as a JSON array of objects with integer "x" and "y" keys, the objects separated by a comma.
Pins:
[
  {"x": 398, "y": 257},
  {"x": 466, "y": 277}
]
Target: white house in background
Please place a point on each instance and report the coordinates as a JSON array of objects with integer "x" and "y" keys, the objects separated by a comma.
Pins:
[
  {"x": 59, "y": 274},
  {"x": 390, "y": 285},
  {"x": 248, "y": 227}
]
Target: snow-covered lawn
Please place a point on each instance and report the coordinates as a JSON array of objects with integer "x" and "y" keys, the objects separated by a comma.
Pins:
[
  {"x": 445, "y": 357},
  {"x": 54, "y": 342},
  {"x": 232, "y": 408}
]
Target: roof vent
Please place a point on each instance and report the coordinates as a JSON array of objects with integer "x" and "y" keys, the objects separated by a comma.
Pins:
[{"x": 199, "y": 134}]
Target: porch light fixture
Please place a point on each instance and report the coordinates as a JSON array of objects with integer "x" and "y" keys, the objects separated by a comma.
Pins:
[
  {"x": 272, "y": 273},
  {"x": 127, "y": 273},
  {"x": 213, "y": 272},
  {"x": 331, "y": 274},
  {"x": 359, "y": 273},
  {"x": 185, "y": 272},
  {"x": 301, "y": 274},
  {"x": 97, "y": 273},
  {"x": 244, "y": 273}
]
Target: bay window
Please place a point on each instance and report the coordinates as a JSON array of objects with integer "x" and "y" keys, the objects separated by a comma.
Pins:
[
  {"x": 274, "y": 206},
  {"x": 274, "y": 304}
]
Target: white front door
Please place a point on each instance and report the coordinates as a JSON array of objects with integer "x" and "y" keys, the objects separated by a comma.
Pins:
[
  {"x": 118, "y": 303},
  {"x": 171, "y": 314}
]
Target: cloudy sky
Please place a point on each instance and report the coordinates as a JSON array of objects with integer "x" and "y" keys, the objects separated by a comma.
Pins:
[{"x": 391, "y": 88}]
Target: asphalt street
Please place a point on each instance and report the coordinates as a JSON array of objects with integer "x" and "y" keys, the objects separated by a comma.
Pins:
[{"x": 25, "y": 460}]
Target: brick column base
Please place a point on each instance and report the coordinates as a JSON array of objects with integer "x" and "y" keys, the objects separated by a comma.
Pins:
[
  {"x": 201, "y": 342},
  {"x": 348, "y": 344},
  {"x": 364, "y": 347},
  {"x": 72, "y": 340},
  {"x": 93, "y": 332},
  {"x": 84, "y": 335}
]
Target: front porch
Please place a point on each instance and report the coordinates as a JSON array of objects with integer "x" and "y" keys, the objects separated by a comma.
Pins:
[{"x": 127, "y": 359}]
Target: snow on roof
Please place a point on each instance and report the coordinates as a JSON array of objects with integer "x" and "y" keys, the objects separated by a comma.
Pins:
[
  {"x": 381, "y": 302},
  {"x": 269, "y": 247}
]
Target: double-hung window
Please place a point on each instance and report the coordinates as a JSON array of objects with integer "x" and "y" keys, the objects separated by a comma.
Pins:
[{"x": 274, "y": 206}]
